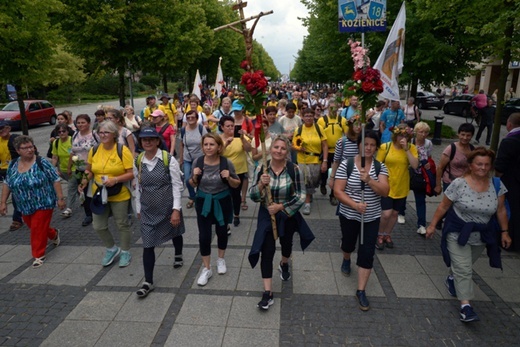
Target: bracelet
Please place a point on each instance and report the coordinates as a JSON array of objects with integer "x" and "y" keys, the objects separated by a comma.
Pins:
[
  {"x": 62, "y": 199},
  {"x": 325, "y": 160}
]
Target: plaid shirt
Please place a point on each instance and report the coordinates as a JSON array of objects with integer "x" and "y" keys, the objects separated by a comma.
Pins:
[{"x": 283, "y": 190}]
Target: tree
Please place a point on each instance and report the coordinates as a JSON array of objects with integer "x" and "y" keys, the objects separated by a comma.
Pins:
[{"x": 27, "y": 44}]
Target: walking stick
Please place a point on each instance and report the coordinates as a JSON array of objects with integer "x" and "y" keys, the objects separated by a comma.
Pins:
[{"x": 361, "y": 235}]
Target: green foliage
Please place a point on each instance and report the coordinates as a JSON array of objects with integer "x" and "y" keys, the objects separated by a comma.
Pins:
[
  {"x": 107, "y": 84},
  {"x": 447, "y": 132},
  {"x": 151, "y": 81}
]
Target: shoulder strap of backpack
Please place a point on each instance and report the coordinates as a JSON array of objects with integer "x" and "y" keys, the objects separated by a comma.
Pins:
[
  {"x": 56, "y": 143},
  {"x": 326, "y": 120},
  {"x": 496, "y": 183},
  {"x": 388, "y": 145},
  {"x": 183, "y": 132},
  {"x": 300, "y": 128},
  {"x": 290, "y": 170},
  {"x": 377, "y": 166},
  {"x": 138, "y": 162},
  {"x": 119, "y": 150},
  {"x": 318, "y": 130},
  {"x": 163, "y": 129},
  {"x": 223, "y": 166},
  {"x": 452, "y": 153},
  {"x": 350, "y": 167},
  {"x": 200, "y": 128}
]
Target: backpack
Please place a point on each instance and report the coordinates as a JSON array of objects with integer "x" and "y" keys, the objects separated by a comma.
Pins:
[
  {"x": 119, "y": 150},
  {"x": 183, "y": 131},
  {"x": 38, "y": 163},
  {"x": 94, "y": 135},
  {"x": 388, "y": 145},
  {"x": 289, "y": 165},
  {"x": 350, "y": 166},
  {"x": 300, "y": 129},
  {"x": 199, "y": 162},
  {"x": 338, "y": 123},
  {"x": 452, "y": 155},
  {"x": 165, "y": 159},
  {"x": 494, "y": 219}
]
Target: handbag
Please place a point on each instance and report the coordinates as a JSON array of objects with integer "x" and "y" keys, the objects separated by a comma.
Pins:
[{"x": 417, "y": 181}]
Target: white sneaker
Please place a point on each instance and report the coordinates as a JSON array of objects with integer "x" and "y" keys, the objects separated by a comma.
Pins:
[
  {"x": 205, "y": 275},
  {"x": 306, "y": 209},
  {"x": 401, "y": 219},
  {"x": 421, "y": 230},
  {"x": 221, "y": 266},
  {"x": 66, "y": 213}
]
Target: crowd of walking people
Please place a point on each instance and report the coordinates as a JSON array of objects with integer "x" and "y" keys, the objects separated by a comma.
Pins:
[{"x": 126, "y": 163}]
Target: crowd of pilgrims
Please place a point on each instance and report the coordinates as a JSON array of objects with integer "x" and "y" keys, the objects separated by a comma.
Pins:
[{"x": 124, "y": 163}]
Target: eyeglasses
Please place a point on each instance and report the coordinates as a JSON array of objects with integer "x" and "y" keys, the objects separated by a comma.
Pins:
[
  {"x": 103, "y": 133},
  {"x": 191, "y": 117},
  {"x": 29, "y": 148},
  {"x": 148, "y": 139}
]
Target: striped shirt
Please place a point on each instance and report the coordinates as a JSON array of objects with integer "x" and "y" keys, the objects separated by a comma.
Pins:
[
  {"x": 283, "y": 191},
  {"x": 353, "y": 190},
  {"x": 345, "y": 148}
]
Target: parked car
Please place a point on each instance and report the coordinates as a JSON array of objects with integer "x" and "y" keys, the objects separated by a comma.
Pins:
[
  {"x": 37, "y": 112},
  {"x": 428, "y": 99},
  {"x": 511, "y": 106},
  {"x": 459, "y": 105}
]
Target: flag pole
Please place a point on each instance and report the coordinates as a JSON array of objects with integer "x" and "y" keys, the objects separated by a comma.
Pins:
[{"x": 363, "y": 124}]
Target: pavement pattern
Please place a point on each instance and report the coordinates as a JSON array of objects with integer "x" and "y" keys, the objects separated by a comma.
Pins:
[{"x": 73, "y": 301}]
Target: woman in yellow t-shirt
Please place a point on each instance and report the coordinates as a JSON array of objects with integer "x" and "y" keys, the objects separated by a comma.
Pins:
[
  {"x": 60, "y": 151},
  {"x": 397, "y": 155},
  {"x": 110, "y": 165},
  {"x": 235, "y": 149},
  {"x": 310, "y": 142}
]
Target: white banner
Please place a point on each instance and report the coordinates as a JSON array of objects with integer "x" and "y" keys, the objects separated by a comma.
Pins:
[
  {"x": 390, "y": 61},
  {"x": 219, "y": 81},
  {"x": 197, "y": 85}
]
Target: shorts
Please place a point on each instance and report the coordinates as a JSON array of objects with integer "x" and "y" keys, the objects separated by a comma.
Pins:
[
  {"x": 392, "y": 204},
  {"x": 311, "y": 176}
]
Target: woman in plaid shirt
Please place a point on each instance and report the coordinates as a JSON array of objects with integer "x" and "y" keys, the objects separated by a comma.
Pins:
[{"x": 288, "y": 192}]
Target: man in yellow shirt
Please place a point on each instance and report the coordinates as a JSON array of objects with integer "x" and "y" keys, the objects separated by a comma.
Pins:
[
  {"x": 272, "y": 101},
  {"x": 7, "y": 154},
  {"x": 168, "y": 109},
  {"x": 334, "y": 127},
  {"x": 150, "y": 106}
]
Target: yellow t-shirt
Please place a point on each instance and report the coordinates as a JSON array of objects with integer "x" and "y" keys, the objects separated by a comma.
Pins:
[
  {"x": 337, "y": 126},
  {"x": 62, "y": 151},
  {"x": 188, "y": 108},
  {"x": 170, "y": 112},
  {"x": 5, "y": 155},
  {"x": 272, "y": 103},
  {"x": 397, "y": 164},
  {"x": 148, "y": 111},
  {"x": 311, "y": 142},
  {"x": 108, "y": 163},
  {"x": 235, "y": 152}
]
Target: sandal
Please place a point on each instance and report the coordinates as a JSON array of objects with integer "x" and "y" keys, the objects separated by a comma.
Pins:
[
  {"x": 145, "y": 290},
  {"x": 38, "y": 262},
  {"x": 388, "y": 242},
  {"x": 244, "y": 206},
  {"x": 15, "y": 226},
  {"x": 190, "y": 204},
  {"x": 380, "y": 244}
]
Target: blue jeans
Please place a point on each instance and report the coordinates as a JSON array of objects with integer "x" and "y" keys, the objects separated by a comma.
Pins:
[
  {"x": 187, "y": 174},
  {"x": 420, "y": 206}
]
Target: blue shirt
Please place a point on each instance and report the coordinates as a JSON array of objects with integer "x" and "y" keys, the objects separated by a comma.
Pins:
[
  {"x": 391, "y": 118},
  {"x": 34, "y": 189}
]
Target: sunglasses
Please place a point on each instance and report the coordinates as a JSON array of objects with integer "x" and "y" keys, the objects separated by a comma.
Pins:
[{"x": 62, "y": 131}]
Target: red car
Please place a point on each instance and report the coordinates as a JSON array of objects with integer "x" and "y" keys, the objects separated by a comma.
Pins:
[{"x": 37, "y": 112}]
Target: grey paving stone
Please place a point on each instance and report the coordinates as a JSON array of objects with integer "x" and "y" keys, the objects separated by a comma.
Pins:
[
  {"x": 413, "y": 285},
  {"x": 99, "y": 306},
  {"x": 312, "y": 261},
  {"x": 400, "y": 264},
  {"x": 17, "y": 253},
  {"x": 195, "y": 336},
  {"x": 481, "y": 266},
  {"x": 129, "y": 276},
  {"x": 438, "y": 281},
  {"x": 250, "y": 337},
  {"x": 66, "y": 254},
  {"x": 150, "y": 309},
  {"x": 212, "y": 310},
  {"x": 251, "y": 279},
  {"x": 7, "y": 267},
  {"x": 314, "y": 282},
  {"x": 513, "y": 264},
  {"x": 432, "y": 265},
  {"x": 348, "y": 285},
  {"x": 5, "y": 248},
  {"x": 506, "y": 288},
  {"x": 40, "y": 275},
  {"x": 76, "y": 275},
  {"x": 92, "y": 255},
  {"x": 128, "y": 334},
  {"x": 245, "y": 314},
  {"x": 76, "y": 333}
]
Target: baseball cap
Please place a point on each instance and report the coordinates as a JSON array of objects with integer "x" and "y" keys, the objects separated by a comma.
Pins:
[
  {"x": 237, "y": 106},
  {"x": 157, "y": 113},
  {"x": 148, "y": 132}
]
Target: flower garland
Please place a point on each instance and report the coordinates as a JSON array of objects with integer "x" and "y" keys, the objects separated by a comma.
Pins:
[
  {"x": 254, "y": 85},
  {"x": 366, "y": 82}
]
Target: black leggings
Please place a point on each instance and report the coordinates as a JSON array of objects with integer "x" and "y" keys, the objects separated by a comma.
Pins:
[
  {"x": 269, "y": 247},
  {"x": 149, "y": 257},
  {"x": 236, "y": 194}
]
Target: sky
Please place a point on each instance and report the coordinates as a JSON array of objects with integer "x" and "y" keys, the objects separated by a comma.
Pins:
[{"x": 281, "y": 33}]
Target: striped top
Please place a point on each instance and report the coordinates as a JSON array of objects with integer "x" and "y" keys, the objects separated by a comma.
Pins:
[
  {"x": 345, "y": 148},
  {"x": 353, "y": 190}
]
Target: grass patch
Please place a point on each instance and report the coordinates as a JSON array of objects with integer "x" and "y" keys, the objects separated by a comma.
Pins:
[{"x": 447, "y": 132}]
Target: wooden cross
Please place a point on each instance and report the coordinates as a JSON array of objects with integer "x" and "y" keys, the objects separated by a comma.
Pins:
[{"x": 247, "y": 33}]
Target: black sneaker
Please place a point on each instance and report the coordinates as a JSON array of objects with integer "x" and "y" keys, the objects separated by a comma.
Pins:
[
  {"x": 236, "y": 221},
  {"x": 267, "y": 300},
  {"x": 178, "y": 262},
  {"x": 285, "y": 275},
  {"x": 468, "y": 315},
  {"x": 323, "y": 190},
  {"x": 345, "y": 267},
  {"x": 364, "y": 305},
  {"x": 450, "y": 284},
  {"x": 87, "y": 221}
]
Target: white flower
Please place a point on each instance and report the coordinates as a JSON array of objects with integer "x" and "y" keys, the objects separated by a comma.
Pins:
[{"x": 75, "y": 158}]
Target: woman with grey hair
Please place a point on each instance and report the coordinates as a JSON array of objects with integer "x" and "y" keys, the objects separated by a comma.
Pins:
[{"x": 109, "y": 166}]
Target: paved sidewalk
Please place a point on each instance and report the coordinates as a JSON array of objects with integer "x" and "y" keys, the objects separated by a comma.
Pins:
[{"x": 73, "y": 301}]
